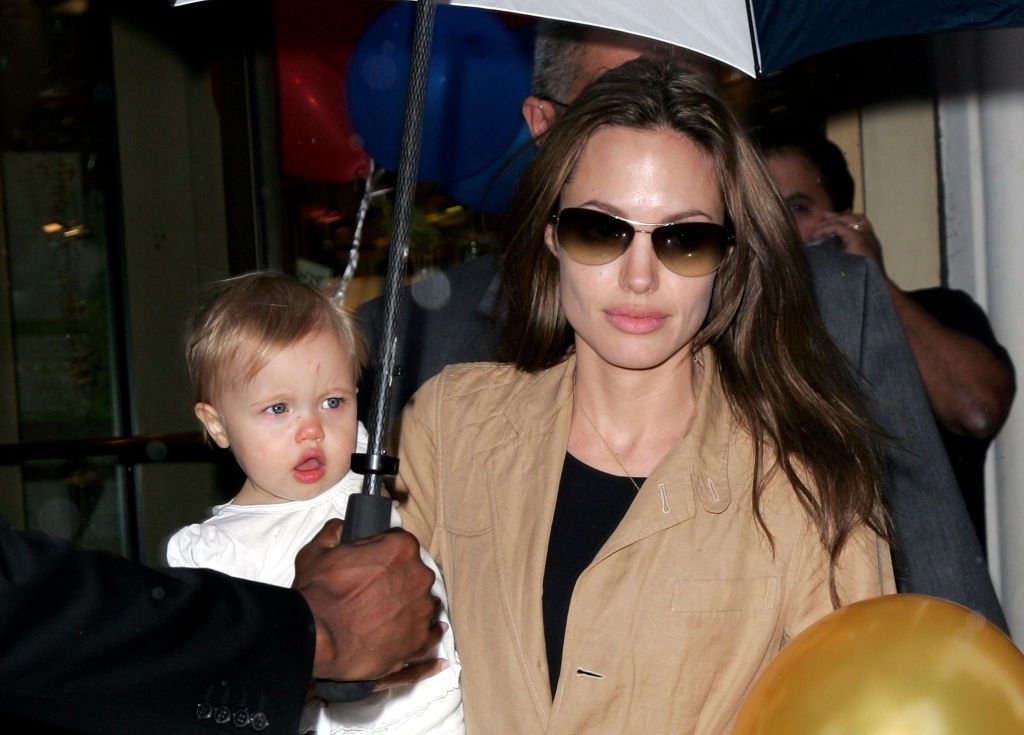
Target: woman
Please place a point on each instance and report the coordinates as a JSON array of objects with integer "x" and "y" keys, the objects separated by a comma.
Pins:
[{"x": 672, "y": 477}]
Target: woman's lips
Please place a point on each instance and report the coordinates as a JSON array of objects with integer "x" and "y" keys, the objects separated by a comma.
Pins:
[{"x": 635, "y": 319}]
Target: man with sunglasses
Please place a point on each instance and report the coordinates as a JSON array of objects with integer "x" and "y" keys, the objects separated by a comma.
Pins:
[{"x": 935, "y": 548}]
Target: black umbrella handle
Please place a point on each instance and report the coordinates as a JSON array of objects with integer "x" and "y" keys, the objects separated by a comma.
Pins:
[
  {"x": 343, "y": 691},
  {"x": 369, "y": 513},
  {"x": 365, "y": 516}
]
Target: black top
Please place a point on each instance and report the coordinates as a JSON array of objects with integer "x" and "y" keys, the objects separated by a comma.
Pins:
[
  {"x": 956, "y": 310},
  {"x": 590, "y": 505}
]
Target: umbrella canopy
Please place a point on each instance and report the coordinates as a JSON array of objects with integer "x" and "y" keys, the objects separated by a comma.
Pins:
[{"x": 761, "y": 36}]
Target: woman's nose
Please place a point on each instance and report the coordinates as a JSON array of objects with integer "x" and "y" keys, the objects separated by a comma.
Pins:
[{"x": 640, "y": 265}]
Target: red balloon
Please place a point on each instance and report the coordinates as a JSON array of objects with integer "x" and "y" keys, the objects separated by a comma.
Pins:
[
  {"x": 314, "y": 40},
  {"x": 317, "y": 139}
]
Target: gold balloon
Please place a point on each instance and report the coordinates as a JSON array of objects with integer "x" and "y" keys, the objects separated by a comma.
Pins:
[{"x": 896, "y": 665}]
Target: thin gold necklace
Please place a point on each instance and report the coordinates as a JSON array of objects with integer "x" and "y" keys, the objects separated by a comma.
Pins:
[{"x": 629, "y": 475}]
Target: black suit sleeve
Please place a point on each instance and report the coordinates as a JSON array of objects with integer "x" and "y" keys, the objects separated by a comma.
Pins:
[{"x": 90, "y": 642}]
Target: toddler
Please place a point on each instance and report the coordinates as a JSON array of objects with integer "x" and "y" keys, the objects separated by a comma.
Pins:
[{"x": 274, "y": 366}]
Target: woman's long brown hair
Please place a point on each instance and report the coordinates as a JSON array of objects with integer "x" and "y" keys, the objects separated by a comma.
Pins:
[{"x": 785, "y": 380}]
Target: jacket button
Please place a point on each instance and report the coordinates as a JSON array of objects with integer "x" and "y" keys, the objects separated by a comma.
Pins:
[
  {"x": 222, "y": 715},
  {"x": 241, "y": 718},
  {"x": 259, "y": 722},
  {"x": 204, "y": 711}
]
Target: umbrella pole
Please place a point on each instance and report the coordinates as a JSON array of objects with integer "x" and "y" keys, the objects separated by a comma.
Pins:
[{"x": 369, "y": 512}]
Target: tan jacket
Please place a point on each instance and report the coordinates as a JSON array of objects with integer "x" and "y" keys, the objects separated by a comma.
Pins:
[{"x": 680, "y": 610}]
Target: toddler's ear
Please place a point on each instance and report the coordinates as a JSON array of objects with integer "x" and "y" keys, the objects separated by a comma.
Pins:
[{"x": 210, "y": 418}]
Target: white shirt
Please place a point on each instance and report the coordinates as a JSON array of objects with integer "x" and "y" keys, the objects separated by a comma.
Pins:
[{"x": 259, "y": 542}]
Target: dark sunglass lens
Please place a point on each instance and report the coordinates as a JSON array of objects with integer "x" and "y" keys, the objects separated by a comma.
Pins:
[
  {"x": 591, "y": 237},
  {"x": 691, "y": 248}
]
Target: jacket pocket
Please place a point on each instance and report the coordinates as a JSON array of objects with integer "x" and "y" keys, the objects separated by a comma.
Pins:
[
  {"x": 469, "y": 516},
  {"x": 725, "y": 595},
  {"x": 468, "y": 511}
]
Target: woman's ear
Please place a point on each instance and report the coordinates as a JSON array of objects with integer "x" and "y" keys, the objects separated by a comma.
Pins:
[
  {"x": 549, "y": 238},
  {"x": 211, "y": 420}
]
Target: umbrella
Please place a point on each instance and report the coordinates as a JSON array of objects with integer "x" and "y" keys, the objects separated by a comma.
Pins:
[{"x": 761, "y": 36}]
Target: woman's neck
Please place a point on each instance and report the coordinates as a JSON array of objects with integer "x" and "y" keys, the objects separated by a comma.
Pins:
[{"x": 629, "y": 419}]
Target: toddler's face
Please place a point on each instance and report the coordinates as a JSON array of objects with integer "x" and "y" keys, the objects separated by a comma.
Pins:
[{"x": 292, "y": 428}]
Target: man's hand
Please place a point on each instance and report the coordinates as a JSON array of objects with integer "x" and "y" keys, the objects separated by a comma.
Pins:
[
  {"x": 855, "y": 232},
  {"x": 371, "y": 603}
]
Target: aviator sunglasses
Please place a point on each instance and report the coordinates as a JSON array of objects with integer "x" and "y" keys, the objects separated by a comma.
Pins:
[{"x": 591, "y": 237}]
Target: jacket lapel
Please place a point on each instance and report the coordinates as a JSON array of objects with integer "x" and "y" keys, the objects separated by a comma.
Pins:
[{"x": 694, "y": 474}]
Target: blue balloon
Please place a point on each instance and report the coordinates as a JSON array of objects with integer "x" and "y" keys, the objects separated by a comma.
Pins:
[
  {"x": 479, "y": 73},
  {"x": 489, "y": 190}
]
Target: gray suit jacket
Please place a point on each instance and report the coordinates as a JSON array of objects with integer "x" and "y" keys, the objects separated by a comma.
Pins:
[{"x": 935, "y": 548}]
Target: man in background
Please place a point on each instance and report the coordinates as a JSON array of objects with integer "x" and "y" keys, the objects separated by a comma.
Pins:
[{"x": 967, "y": 374}]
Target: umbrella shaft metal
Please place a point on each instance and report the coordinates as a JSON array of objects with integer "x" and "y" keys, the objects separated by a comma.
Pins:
[{"x": 405, "y": 194}]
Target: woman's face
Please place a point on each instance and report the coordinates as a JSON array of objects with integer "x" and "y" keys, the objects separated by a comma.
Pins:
[
  {"x": 634, "y": 312},
  {"x": 799, "y": 182}
]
